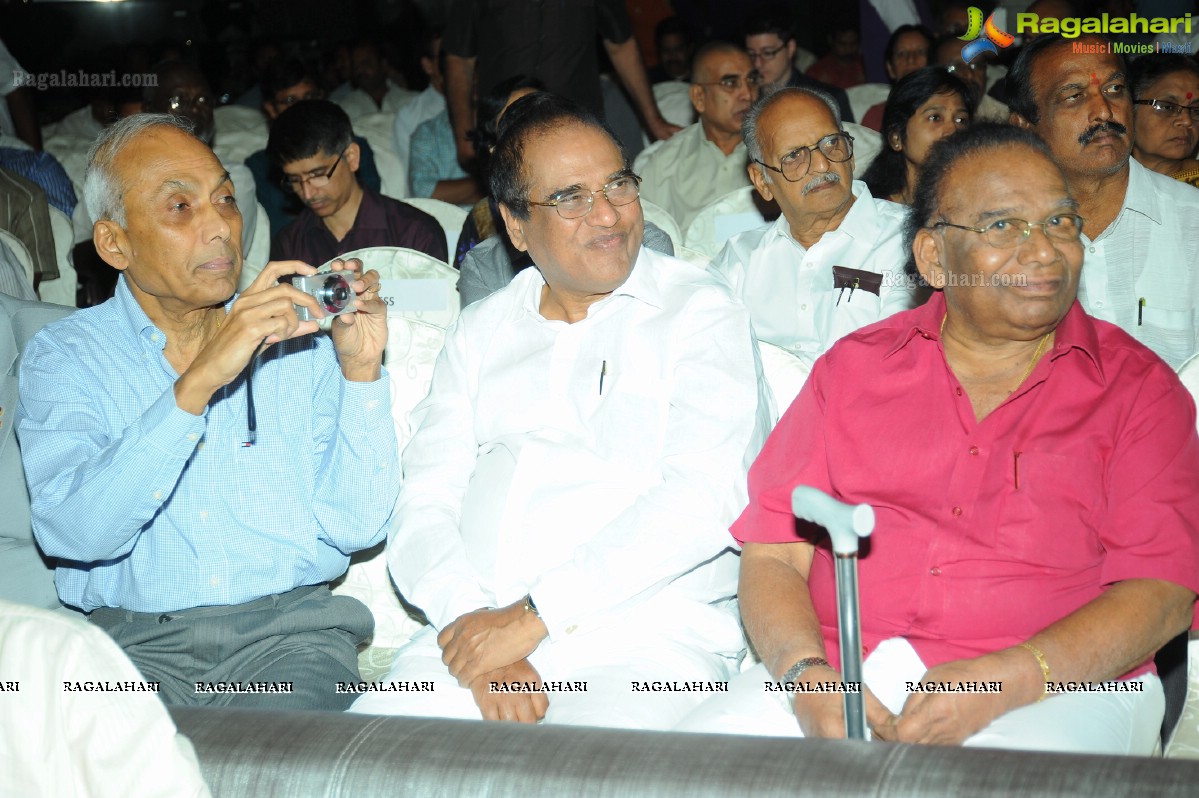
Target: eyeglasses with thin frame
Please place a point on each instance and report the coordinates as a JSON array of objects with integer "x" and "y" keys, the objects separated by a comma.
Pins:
[
  {"x": 320, "y": 180},
  {"x": 974, "y": 66},
  {"x": 578, "y": 202},
  {"x": 1169, "y": 109},
  {"x": 1008, "y": 233},
  {"x": 180, "y": 102},
  {"x": 292, "y": 99},
  {"x": 836, "y": 147},
  {"x": 766, "y": 53},
  {"x": 733, "y": 82}
]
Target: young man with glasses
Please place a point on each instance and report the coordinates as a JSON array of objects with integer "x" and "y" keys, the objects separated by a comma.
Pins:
[
  {"x": 311, "y": 143},
  {"x": 833, "y": 262},
  {"x": 771, "y": 46},
  {"x": 705, "y": 160},
  {"x": 579, "y": 456}
]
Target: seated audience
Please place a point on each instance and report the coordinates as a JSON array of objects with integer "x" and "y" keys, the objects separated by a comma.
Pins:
[
  {"x": 833, "y": 261},
  {"x": 674, "y": 45},
  {"x": 424, "y": 106},
  {"x": 285, "y": 83},
  {"x": 308, "y": 144},
  {"x": 947, "y": 52},
  {"x": 924, "y": 107},
  {"x": 433, "y": 170},
  {"x": 197, "y": 526},
  {"x": 579, "y": 454},
  {"x": 1032, "y": 475},
  {"x": 907, "y": 51},
  {"x": 373, "y": 90},
  {"x": 1140, "y": 228},
  {"x": 842, "y": 66},
  {"x": 706, "y": 159},
  {"x": 771, "y": 46},
  {"x": 1165, "y": 90},
  {"x": 64, "y": 742}
]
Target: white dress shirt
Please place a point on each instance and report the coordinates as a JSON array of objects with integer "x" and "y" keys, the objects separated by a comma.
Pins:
[
  {"x": 426, "y": 105},
  {"x": 61, "y": 736},
  {"x": 789, "y": 289},
  {"x": 595, "y": 465},
  {"x": 358, "y": 103},
  {"x": 687, "y": 171},
  {"x": 1150, "y": 252}
]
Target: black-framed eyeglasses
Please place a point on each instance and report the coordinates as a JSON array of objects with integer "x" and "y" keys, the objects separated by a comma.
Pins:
[
  {"x": 1169, "y": 109},
  {"x": 766, "y": 53},
  {"x": 837, "y": 147},
  {"x": 180, "y": 102},
  {"x": 292, "y": 99},
  {"x": 320, "y": 180},
  {"x": 733, "y": 82},
  {"x": 1008, "y": 233},
  {"x": 577, "y": 203}
]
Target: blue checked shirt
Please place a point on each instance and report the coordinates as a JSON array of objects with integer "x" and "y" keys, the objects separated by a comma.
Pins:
[{"x": 152, "y": 509}]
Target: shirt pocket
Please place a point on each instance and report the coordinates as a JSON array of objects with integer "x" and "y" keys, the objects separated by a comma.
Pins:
[
  {"x": 631, "y": 417},
  {"x": 1051, "y": 510},
  {"x": 1169, "y": 332}
]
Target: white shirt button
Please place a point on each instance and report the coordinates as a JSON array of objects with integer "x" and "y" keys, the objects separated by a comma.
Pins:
[
  {"x": 158, "y": 495},
  {"x": 191, "y": 436},
  {"x": 570, "y": 630},
  {"x": 372, "y": 404},
  {"x": 1099, "y": 303},
  {"x": 215, "y": 581},
  {"x": 204, "y": 514}
]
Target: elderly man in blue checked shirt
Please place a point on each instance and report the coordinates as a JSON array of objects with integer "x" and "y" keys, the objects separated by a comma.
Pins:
[{"x": 199, "y": 537}]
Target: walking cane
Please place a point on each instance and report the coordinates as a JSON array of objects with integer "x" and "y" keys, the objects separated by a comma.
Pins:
[{"x": 845, "y": 524}]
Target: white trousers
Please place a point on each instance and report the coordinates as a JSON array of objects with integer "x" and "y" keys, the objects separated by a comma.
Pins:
[
  {"x": 1124, "y": 723},
  {"x": 613, "y": 664}
]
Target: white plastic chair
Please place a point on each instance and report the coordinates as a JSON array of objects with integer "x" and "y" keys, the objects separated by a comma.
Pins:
[
  {"x": 415, "y": 285},
  {"x": 64, "y": 289},
  {"x": 412, "y": 349},
  {"x": 450, "y": 217},
  {"x": 865, "y": 96},
  {"x": 378, "y": 129},
  {"x": 256, "y": 258},
  {"x": 866, "y": 145},
  {"x": 1188, "y": 372},
  {"x": 722, "y": 219},
  {"x": 785, "y": 376},
  {"x": 662, "y": 218},
  {"x": 674, "y": 101}
]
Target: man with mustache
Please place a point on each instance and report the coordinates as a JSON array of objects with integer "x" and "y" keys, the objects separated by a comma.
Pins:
[
  {"x": 197, "y": 524},
  {"x": 581, "y": 451},
  {"x": 1141, "y": 231},
  {"x": 833, "y": 261},
  {"x": 705, "y": 160}
]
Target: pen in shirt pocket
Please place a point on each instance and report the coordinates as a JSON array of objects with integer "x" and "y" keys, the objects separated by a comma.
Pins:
[
  {"x": 1140, "y": 310},
  {"x": 1016, "y": 468},
  {"x": 603, "y": 373}
]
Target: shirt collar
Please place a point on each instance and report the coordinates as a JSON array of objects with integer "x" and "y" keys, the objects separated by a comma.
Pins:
[
  {"x": 1075, "y": 331},
  {"x": 640, "y": 285},
  {"x": 1140, "y": 197},
  {"x": 863, "y": 220},
  {"x": 137, "y": 322}
]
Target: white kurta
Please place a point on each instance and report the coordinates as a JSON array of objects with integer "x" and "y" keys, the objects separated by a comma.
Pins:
[
  {"x": 790, "y": 292},
  {"x": 609, "y": 505}
]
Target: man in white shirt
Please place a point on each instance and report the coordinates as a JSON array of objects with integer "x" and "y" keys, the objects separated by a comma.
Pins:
[
  {"x": 833, "y": 262},
  {"x": 1141, "y": 228},
  {"x": 580, "y": 454},
  {"x": 706, "y": 160},
  {"x": 424, "y": 106},
  {"x": 373, "y": 91}
]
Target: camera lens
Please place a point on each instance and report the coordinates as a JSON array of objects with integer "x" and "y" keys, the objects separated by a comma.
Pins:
[{"x": 335, "y": 294}]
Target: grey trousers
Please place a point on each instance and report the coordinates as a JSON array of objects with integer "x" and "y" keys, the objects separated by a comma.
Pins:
[{"x": 285, "y": 651}]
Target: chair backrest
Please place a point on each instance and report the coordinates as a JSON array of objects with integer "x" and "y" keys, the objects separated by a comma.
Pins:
[
  {"x": 450, "y": 217},
  {"x": 785, "y": 375},
  {"x": 662, "y": 218},
  {"x": 866, "y": 145},
  {"x": 415, "y": 285},
  {"x": 674, "y": 101},
  {"x": 412, "y": 349},
  {"x": 1188, "y": 372},
  {"x": 378, "y": 129},
  {"x": 722, "y": 219},
  {"x": 63, "y": 289},
  {"x": 259, "y": 253},
  {"x": 865, "y": 96}
]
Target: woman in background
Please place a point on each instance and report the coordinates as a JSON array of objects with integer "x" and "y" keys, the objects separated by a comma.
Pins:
[{"x": 1165, "y": 90}]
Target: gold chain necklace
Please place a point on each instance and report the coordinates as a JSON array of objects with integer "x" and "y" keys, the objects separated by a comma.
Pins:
[{"x": 1036, "y": 355}]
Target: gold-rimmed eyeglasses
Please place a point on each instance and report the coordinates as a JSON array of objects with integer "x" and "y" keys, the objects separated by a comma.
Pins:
[
  {"x": 837, "y": 147},
  {"x": 1008, "y": 233},
  {"x": 1169, "y": 109},
  {"x": 577, "y": 202}
]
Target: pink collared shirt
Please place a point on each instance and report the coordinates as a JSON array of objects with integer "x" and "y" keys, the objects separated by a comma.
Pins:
[{"x": 987, "y": 532}]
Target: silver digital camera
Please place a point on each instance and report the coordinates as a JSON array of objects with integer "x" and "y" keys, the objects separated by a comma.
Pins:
[{"x": 333, "y": 291}]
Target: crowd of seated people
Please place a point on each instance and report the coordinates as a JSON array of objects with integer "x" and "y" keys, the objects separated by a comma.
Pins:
[{"x": 594, "y": 510}]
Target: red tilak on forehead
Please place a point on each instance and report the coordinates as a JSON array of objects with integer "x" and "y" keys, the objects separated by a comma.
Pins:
[
  {"x": 1189, "y": 95},
  {"x": 1094, "y": 78}
]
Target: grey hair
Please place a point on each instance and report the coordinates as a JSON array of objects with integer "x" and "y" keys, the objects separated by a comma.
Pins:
[
  {"x": 103, "y": 193},
  {"x": 749, "y": 127}
]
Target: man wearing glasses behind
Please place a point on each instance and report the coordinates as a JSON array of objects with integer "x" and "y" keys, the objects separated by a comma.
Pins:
[
  {"x": 833, "y": 262},
  {"x": 771, "y": 46},
  {"x": 705, "y": 160},
  {"x": 312, "y": 143},
  {"x": 580, "y": 454}
]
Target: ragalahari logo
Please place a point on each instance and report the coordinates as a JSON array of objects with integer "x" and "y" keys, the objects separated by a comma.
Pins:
[{"x": 988, "y": 38}]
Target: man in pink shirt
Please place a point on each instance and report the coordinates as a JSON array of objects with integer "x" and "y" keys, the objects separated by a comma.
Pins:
[{"x": 1033, "y": 474}]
